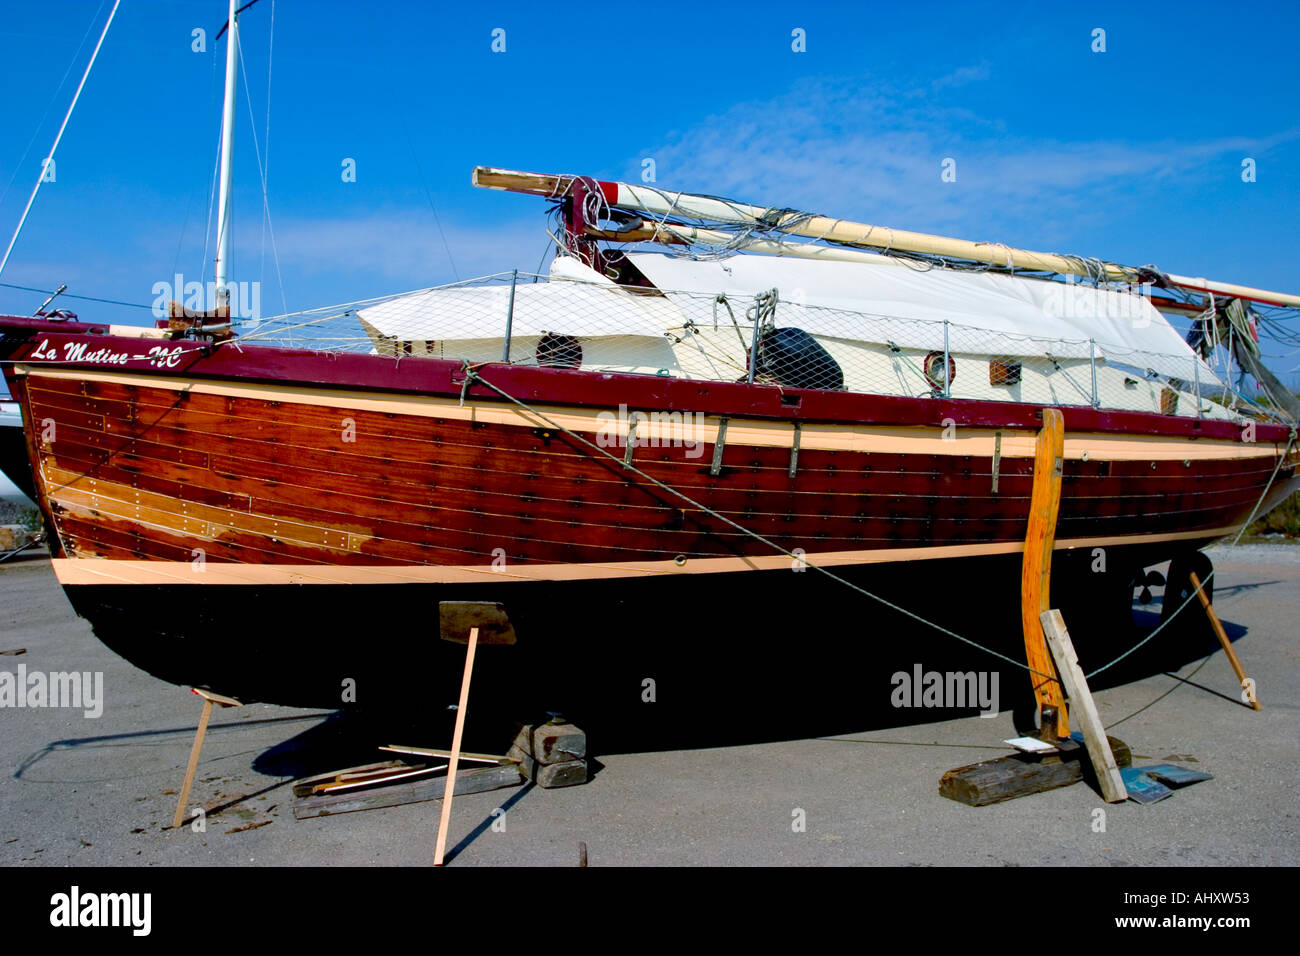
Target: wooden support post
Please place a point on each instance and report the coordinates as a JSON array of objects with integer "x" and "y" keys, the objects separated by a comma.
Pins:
[
  {"x": 461, "y": 622},
  {"x": 209, "y": 699},
  {"x": 1247, "y": 685},
  {"x": 1036, "y": 570},
  {"x": 454, "y": 760},
  {"x": 1094, "y": 733}
]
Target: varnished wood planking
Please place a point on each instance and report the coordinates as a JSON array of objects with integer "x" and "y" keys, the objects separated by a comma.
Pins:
[
  {"x": 966, "y": 476},
  {"x": 292, "y": 476},
  {"x": 895, "y": 533},
  {"x": 880, "y": 469}
]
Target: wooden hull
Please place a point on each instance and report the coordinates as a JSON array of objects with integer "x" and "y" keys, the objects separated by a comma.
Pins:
[{"x": 189, "y": 488}]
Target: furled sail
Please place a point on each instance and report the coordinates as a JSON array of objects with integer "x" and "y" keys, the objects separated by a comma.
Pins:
[{"x": 891, "y": 302}]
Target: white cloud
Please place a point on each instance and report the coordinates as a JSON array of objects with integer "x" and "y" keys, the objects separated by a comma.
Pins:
[
  {"x": 857, "y": 149},
  {"x": 962, "y": 76}
]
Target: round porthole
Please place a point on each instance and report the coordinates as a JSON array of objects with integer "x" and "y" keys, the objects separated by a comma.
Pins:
[{"x": 934, "y": 371}]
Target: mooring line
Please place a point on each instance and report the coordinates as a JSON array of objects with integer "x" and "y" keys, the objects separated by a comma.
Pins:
[
  {"x": 471, "y": 374},
  {"x": 1199, "y": 587}
]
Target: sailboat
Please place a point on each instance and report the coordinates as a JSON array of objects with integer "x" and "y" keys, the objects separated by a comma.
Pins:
[{"x": 699, "y": 397}]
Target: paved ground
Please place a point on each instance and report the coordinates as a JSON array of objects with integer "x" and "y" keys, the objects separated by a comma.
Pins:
[{"x": 90, "y": 792}]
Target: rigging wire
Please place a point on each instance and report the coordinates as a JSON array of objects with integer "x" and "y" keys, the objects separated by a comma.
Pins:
[
  {"x": 262, "y": 171},
  {"x": 266, "y": 143},
  {"x": 429, "y": 198},
  {"x": 472, "y": 375},
  {"x": 75, "y": 97},
  {"x": 69, "y": 295},
  {"x": 180, "y": 241},
  {"x": 212, "y": 194},
  {"x": 76, "y": 55}
]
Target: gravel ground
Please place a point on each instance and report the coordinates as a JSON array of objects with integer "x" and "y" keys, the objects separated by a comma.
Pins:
[{"x": 89, "y": 792}]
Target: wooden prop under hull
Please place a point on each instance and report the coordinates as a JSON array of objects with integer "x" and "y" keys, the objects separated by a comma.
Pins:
[{"x": 1036, "y": 572}]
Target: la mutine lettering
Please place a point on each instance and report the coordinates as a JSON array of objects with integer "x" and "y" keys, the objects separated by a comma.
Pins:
[{"x": 79, "y": 352}]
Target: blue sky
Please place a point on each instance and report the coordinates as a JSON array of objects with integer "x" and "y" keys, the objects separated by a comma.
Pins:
[{"x": 1133, "y": 154}]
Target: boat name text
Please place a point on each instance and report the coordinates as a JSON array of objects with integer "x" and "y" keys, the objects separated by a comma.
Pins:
[{"x": 159, "y": 356}]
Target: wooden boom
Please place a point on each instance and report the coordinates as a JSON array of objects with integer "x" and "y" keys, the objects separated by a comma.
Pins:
[{"x": 661, "y": 203}]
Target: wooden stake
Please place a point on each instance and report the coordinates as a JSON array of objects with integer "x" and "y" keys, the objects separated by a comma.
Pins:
[
  {"x": 1036, "y": 570},
  {"x": 209, "y": 699},
  {"x": 1094, "y": 733},
  {"x": 1247, "y": 685},
  {"x": 454, "y": 759},
  {"x": 193, "y": 765}
]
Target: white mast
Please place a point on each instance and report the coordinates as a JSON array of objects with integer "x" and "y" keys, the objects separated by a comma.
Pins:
[{"x": 227, "y": 152}]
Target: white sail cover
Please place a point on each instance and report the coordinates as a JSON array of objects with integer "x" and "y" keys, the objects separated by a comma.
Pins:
[
  {"x": 591, "y": 305},
  {"x": 989, "y": 313},
  {"x": 884, "y": 302}
]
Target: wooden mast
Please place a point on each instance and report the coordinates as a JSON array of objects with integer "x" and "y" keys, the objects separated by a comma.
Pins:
[{"x": 661, "y": 203}]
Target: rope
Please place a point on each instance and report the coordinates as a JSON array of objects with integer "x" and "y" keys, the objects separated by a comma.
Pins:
[
  {"x": 1191, "y": 597},
  {"x": 21, "y": 548},
  {"x": 472, "y": 375},
  {"x": 900, "y": 356},
  {"x": 1077, "y": 387}
]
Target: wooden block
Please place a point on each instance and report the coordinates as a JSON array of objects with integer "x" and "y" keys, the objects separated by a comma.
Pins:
[
  {"x": 527, "y": 765},
  {"x": 523, "y": 742},
  {"x": 1018, "y": 775},
  {"x": 216, "y": 698},
  {"x": 556, "y": 743},
  {"x": 567, "y": 773},
  {"x": 551, "y": 743},
  {"x": 570, "y": 773},
  {"x": 475, "y": 780}
]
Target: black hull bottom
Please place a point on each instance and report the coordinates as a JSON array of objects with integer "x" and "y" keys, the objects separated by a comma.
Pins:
[{"x": 776, "y": 645}]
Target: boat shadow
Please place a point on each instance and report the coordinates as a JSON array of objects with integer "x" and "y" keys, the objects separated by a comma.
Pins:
[{"x": 657, "y": 691}]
